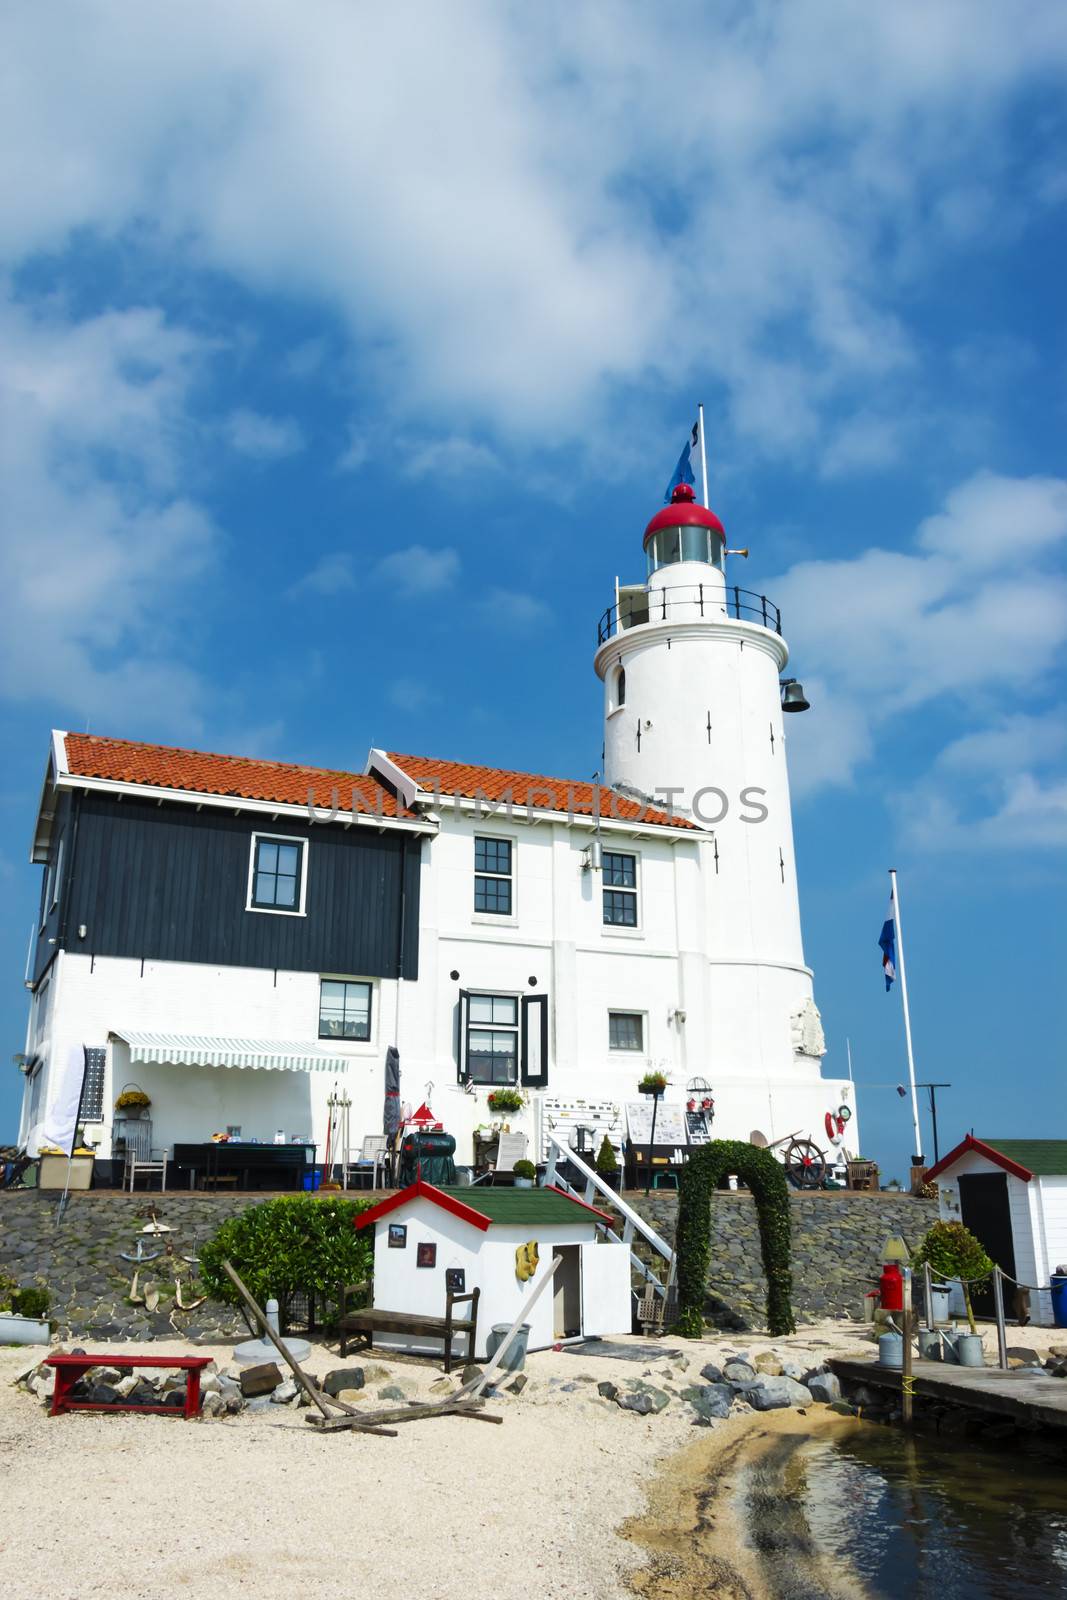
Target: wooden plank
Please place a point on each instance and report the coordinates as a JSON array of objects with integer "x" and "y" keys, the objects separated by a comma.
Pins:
[
  {"x": 309, "y": 1389},
  {"x": 1020, "y": 1393}
]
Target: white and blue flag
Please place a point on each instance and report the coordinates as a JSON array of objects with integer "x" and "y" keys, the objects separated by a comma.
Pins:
[
  {"x": 688, "y": 462},
  {"x": 887, "y": 941}
]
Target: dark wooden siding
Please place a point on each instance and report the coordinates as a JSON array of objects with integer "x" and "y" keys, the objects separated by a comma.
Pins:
[{"x": 169, "y": 883}]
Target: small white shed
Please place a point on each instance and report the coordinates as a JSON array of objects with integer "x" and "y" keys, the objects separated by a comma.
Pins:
[
  {"x": 1012, "y": 1195},
  {"x": 426, "y": 1239}
]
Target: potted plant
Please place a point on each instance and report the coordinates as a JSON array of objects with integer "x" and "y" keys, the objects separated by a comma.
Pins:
[
  {"x": 506, "y": 1100},
  {"x": 23, "y": 1313},
  {"x": 607, "y": 1163},
  {"x": 954, "y": 1252},
  {"x": 525, "y": 1172},
  {"x": 653, "y": 1083},
  {"x": 132, "y": 1102}
]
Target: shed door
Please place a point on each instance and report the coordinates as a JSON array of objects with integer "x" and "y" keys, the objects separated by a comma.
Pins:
[
  {"x": 985, "y": 1210},
  {"x": 606, "y": 1300}
]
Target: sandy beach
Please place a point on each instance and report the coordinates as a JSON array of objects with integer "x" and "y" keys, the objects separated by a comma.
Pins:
[{"x": 571, "y": 1495}]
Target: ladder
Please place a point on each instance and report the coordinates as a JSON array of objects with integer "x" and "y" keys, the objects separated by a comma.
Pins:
[{"x": 633, "y": 1222}]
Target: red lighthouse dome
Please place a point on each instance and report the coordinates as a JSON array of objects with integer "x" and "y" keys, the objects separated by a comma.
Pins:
[{"x": 684, "y": 531}]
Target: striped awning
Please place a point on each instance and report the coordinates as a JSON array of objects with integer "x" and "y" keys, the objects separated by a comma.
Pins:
[{"x": 207, "y": 1050}]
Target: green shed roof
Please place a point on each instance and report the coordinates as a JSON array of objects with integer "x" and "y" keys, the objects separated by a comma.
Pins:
[
  {"x": 521, "y": 1205},
  {"x": 1046, "y": 1158}
]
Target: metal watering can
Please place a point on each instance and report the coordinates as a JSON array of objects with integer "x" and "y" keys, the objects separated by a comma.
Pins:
[{"x": 963, "y": 1349}]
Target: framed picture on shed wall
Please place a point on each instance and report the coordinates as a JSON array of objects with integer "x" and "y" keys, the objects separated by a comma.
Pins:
[
  {"x": 398, "y": 1235},
  {"x": 426, "y": 1255},
  {"x": 455, "y": 1280}
]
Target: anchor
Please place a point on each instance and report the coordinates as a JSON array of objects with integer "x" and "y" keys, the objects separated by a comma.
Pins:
[{"x": 140, "y": 1259}]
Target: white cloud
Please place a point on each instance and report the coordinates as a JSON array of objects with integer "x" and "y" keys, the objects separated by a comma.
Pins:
[
  {"x": 513, "y": 610},
  {"x": 263, "y": 438},
  {"x": 776, "y": 194},
  {"x": 417, "y": 570},
  {"x": 412, "y": 694},
  {"x": 357, "y": 451},
  {"x": 970, "y": 615},
  {"x": 98, "y": 546},
  {"x": 333, "y": 573},
  {"x": 454, "y": 457}
]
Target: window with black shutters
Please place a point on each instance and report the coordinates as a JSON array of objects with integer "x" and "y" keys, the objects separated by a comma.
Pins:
[
  {"x": 493, "y": 1038},
  {"x": 492, "y": 877},
  {"x": 620, "y": 889}
]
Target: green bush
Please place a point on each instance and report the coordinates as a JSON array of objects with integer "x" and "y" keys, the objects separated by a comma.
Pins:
[
  {"x": 606, "y": 1159},
  {"x": 31, "y": 1302},
  {"x": 8, "y": 1288},
  {"x": 524, "y": 1169},
  {"x": 953, "y": 1252},
  {"x": 701, "y": 1175},
  {"x": 286, "y": 1246}
]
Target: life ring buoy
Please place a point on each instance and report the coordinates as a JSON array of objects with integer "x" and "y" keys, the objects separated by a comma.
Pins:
[{"x": 835, "y": 1126}]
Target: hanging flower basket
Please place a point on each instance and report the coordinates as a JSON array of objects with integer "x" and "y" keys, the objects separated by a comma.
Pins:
[
  {"x": 132, "y": 1100},
  {"x": 652, "y": 1083},
  {"x": 506, "y": 1100}
]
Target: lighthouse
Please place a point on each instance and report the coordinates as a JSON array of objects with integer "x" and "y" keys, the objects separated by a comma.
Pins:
[{"x": 694, "y": 717}]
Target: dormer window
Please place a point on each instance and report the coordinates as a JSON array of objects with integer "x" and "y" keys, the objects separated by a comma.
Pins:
[{"x": 277, "y": 879}]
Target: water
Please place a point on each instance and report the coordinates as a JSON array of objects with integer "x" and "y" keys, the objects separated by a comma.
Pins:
[{"x": 878, "y": 1513}]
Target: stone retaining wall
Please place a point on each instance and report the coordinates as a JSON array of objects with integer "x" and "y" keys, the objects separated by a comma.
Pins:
[
  {"x": 837, "y": 1242},
  {"x": 837, "y": 1245}
]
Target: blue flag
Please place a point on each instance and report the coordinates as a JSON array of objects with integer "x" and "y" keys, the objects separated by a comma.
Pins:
[
  {"x": 887, "y": 941},
  {"x": 685, "y": 471}
]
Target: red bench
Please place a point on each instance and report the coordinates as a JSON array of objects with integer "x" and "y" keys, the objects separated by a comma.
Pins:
[{"x": 70, "y": 1368}]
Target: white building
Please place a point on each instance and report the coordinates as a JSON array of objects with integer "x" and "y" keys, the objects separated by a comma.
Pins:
[
  {"x": 201, "y": 914},
  {"x": 1012, "y": 1195}
]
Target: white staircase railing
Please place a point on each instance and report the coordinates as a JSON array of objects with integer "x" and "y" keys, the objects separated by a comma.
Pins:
[{"x": 633, "y": 1222}]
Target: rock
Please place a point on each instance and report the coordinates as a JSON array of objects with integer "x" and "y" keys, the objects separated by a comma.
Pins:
[
  {"x": 1021, "y": 1355},
  {"x": 227, "y": 1387},
  {"x": 843, "y": 1408},
  {"x": 258, "y": 1402},
  {"x": 442, "y": 1386},
  {"x": 608, "y": 1390},
  {"x": 210, "y": 1383},
  {"x": 517, "y": 1384},
  {"x": 352, "y": 1397},
  {"x": 343, "y": 1378},
  {"x": 126, "y": 1386},
  {"x": 392, "y": 1391},
  {"x": 710, "y": 1400},
  {"x": 472, "y": 1372},
  {"x": 110, "y": 1375},
  {"x": 212, "y": 1404},
  {"x": 768, "y": 1362},
  {"x": 711, "y": 1372},
  {"x": 739, "y": 1373},
  {"x": 43, "y": 1383},
  {"x": 103, "y": 1394},
  {"x": 645, "y": 1402},
  {"x": 260, "y": 1380},
  {"x": 143, "y": 1395},
  {"x": 792, "y": 1369},
  {"x": 774, "y": 1393},
  {"x": 285, "y": 1393},
  {"x": 824, "y": 1387}
]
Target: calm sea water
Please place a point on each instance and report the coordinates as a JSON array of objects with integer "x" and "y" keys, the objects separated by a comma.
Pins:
[{"x": 909, "y": 1517}]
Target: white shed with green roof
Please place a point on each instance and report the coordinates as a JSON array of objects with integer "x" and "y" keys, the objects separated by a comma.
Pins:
[
  {"x": 1012, "y": 1195},
  {"x": 427, "y": 1239}
]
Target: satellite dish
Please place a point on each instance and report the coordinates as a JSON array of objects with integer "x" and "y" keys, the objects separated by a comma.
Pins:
[{"x": 758, "y": 1139}]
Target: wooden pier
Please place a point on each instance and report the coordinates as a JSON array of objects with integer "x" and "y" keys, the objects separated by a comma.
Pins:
[{"x": 1021, "y": 1394}]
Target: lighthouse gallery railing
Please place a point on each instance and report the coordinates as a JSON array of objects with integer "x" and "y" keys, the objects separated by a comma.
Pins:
[{"x": 702, "y": 600}]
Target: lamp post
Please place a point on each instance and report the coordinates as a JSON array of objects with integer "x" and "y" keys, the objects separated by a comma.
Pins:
[{"x": 931, "y": 1090}]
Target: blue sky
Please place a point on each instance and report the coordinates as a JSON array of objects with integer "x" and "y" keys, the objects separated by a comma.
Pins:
[{"x": 347, "y": 353}]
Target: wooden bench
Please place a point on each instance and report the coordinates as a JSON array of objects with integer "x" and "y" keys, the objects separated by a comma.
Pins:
[
  {"x": 373, "y": 1319},
  {"x": 69, "y": 1369}
]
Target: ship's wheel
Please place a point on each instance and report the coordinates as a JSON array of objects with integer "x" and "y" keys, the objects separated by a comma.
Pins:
[{"x": 805, "y": 1164}]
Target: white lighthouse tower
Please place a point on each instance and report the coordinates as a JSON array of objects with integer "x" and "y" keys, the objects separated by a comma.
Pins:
[{"x": 693, "y": 716}]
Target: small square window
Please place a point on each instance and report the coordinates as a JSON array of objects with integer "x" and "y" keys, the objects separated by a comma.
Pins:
[
  {"x": 492, "y": 877},
  {"x": 620, "y": 889},
  {"x": 626, "y": 1030},
  {"x": 277, "y": 874},
  {"x": 344, "y": 1009},
  {"x": 492, "y": 1045}
]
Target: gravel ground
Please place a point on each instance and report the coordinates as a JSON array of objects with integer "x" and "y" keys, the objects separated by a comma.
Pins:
[{"x": 448, "y": 1510}]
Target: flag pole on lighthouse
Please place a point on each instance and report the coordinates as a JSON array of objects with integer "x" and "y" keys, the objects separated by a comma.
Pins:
[
  {"x": 907, "y": 1014},
  {"x": 703, "y": 455}
]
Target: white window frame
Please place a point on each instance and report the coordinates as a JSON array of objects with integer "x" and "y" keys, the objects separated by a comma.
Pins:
[
  {"x": 58, "y": 879},
  {"x": 516, "y": 1028},
  {"x": 496, "y": 919},
  {"x": 615, "y": 705},
  {"x": 375, "y": 1002},
  {"x": 278, "y": 911},
  {"x": 624, "y": 1050},
  {"x": 618, "y": 930}
]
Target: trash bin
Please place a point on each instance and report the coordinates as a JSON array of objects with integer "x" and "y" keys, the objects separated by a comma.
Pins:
[
  {"x": 1058, "y": 1286},
  {"x": 515, "y": 1359}
]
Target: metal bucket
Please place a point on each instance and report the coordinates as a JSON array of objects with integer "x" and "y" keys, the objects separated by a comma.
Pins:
[
  {"x": 515, "y": 1359},
  {"x": 891, "y": 1351},
  {"x": 969, "y": 1349},
  {"x": 929, "y": 1344}
]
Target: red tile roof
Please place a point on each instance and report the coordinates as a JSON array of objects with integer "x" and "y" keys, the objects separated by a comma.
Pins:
[
  {"x": 245, "y": 777},
  {"x": 530, "y": 789}
]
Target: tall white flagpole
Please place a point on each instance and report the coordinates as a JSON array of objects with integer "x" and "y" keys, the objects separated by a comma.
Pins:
[
  {"x": 703, "y": 455},
  {"x": 907, "y": 1014}
]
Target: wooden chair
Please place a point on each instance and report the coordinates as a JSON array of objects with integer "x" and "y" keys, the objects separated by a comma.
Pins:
[
  {"x": 863, "y": 1174},
  {"x": 155, "y": 1165}
]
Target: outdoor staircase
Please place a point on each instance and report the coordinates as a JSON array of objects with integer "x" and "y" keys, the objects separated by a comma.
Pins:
[{"x": 657, "y": 1272}]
